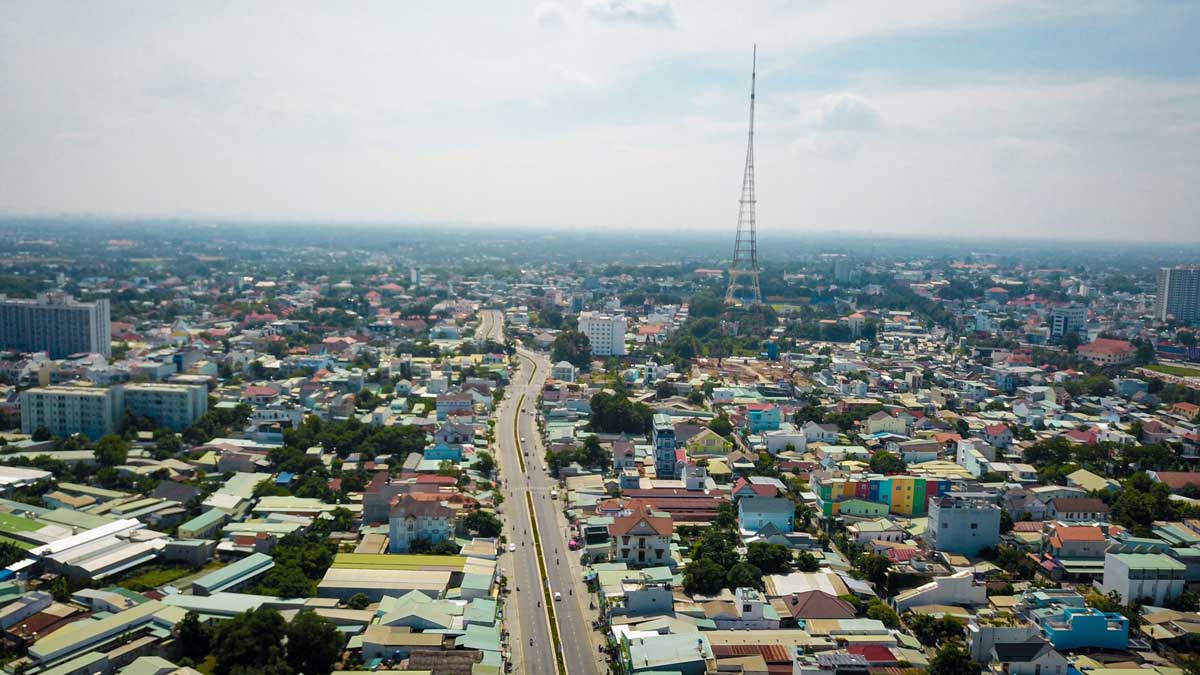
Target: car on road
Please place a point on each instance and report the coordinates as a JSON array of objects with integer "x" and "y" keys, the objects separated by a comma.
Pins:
[
  {"x": 512, "y": 547},
  {"x": 557, "y": 596},
  {"x": 554, "y": 494},
  {"x": 522, "y": 439}
]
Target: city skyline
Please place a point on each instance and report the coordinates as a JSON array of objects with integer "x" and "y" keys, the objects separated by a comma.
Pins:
[{"x": 975, "y": 119}]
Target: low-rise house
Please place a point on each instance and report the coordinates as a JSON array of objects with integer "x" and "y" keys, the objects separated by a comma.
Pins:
[
  {"x": 756, "y": 512},
  {"x": 1077, "y": 509},
  {"x": 1034, "y": 656}
]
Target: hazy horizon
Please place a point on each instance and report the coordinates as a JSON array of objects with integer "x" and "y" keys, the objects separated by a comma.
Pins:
[{"x": 957, "y": 119}]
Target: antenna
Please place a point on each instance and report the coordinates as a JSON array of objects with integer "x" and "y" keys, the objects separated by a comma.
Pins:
[{"x": 743, "y": 272}]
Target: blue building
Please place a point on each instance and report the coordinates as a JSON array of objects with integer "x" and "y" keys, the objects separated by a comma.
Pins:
[
  {"x": 755, "y": 513},
  {"x": 1073, "y": 627},
  {"x": 443, "y": 451},
  {"x": 762, "y": 417}
]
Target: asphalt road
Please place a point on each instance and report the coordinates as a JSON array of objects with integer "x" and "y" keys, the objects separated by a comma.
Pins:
[
  {"x": 526, "y": 614},
  {"x": 491, "y": 325}
]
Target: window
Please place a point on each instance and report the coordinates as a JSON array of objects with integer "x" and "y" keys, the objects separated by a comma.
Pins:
[{"x": 974, "y": 526}]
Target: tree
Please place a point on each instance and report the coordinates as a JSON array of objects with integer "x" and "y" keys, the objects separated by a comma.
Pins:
[
  {"x": 194, "y": 638},
  {"x": 721, "y": 425},
  {"x": 874, "y": 568},
  {"x": 485, "y": 463},
  {"x": 770, "y": 558},
  {"x": 313, "y": 644},
  {"x": 573, "y": 347},
  {"x": 932, "y": 631},
  {"x": 953, "y": 659},
  {"x": 726, "y": 516},
  {"x": 483, "y": 523},
  {"x": 807, "y": 562},
  {"x": 166, "y": 444},
  {"x": 886, "y": 462},
  {"x": 703, "y": 577},
  {"x": 744, "y": 575},
  {"x": 615, "y": 414},
  {"x": 358, "y": 601},
  {"x": 880, "y": 611},
  {"x": 41, "y": 434},
  {"x": 1071, "y": 341},
  {"x": 251, "y": 642},
  {"x": 1006, "y": 522},
  {"x": 112, "y": 450}
]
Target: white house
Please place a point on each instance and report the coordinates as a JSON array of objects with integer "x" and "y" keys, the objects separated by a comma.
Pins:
[{"x": 1155, "y": 577}]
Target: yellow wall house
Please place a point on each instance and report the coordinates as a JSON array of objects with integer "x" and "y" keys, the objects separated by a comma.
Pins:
[{"x": 708, "y": 442}]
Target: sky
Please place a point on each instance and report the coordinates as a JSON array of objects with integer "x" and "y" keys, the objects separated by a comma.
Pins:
[{"x": 988, "y": 118}]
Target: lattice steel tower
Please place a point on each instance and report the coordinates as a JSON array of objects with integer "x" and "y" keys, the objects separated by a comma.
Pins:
[{"x": 743, "y": 273}]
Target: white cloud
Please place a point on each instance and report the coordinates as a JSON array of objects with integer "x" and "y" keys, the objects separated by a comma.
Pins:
[
  {"x": 848, "y": 112},
  {"x": 550, "y": 15},
  {"x": 646, "y": 12}
]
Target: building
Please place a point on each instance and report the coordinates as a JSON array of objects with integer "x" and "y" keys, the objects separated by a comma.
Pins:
[
  {"x": 1063, "y": 320},
  {"x": 902, "y": 495},
  {"x": 605, "y": 332},
  {"x": 961, "y": 589},
  {"x": 663, "y": 434},
  {"x": 1152, "y": 577},
  {"x": 963, "y": 525},
  {"x": 413, "y": 519},
  {"x": 564, "y": 371},
  {"x": 642, "y": 536},
  {"x": 1178, "y": 294},
  {"x": 1075, "y": 627},
  {"x": 1106, "y": 352},
  {"x": 755, "y": 513},
  {"x": 57, "y": 324},
  {"x": 65, "y": 411},
  {"x": 174, "y": 406}
]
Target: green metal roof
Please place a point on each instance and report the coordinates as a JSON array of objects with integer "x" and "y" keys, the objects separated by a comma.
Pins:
[{"x": 1150, "y": 561}]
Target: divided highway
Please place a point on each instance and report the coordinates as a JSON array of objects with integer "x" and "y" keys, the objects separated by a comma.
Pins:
[{"x": 521, "y": 455}]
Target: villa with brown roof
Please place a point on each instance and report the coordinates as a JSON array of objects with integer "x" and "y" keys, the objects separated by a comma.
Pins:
[{"x": 642, "y": 536}]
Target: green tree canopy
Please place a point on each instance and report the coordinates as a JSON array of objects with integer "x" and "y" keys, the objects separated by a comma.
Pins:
[{"x": 313, "y": 644}]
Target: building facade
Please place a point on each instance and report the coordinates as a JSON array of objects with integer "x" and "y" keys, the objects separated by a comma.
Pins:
[
  {"x": 1153, "y": 577},
  {"x": 1063, "y": 320},
  {"x": 964, "y": 526},
  {"x": 605, "y": 332},
  {"x": 55, "y": 323},
  {"x": 66, "y": 411},
  {"x": 902, "y": 495},
  {"x": 174, "y": 406},
  {"x": 1178, "y": 294},
  {"x": 412, "y": 519},
  {"x": 663, "y": 433}
]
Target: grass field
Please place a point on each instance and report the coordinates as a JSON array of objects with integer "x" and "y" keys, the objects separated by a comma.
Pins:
[
  {"x": 1178, "y": 371},
  {"x": 150, "y": 578}
]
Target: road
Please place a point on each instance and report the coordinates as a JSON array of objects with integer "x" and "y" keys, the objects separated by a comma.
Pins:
[
  {"x": 526, "y": 611},
  {"x": 491, "y": 325}
]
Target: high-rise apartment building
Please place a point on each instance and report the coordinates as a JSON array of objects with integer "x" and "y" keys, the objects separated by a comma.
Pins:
[
  {"x": 1178, "y": 294},
  {"x": 605, "y": 332},
  {"x": 174, "y": 406},
  {"x": 55, "y": 323},
  {"x": 66, "y": 411}
]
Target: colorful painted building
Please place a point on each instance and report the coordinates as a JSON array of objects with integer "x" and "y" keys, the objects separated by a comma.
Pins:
[{"x": 903, "y": 495}]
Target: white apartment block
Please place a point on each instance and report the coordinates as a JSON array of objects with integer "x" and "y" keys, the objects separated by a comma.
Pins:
[
  {"x": 57, "y": 324},
  {"x": 174, "y": 406},
  {"x": 65, "y": 411},
  {"x": 605, "y": 332}
]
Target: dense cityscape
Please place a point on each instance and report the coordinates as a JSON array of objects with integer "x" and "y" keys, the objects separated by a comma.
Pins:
[
  {"x": 233, "y": 449},
  {"x": 442, "y": 339}
]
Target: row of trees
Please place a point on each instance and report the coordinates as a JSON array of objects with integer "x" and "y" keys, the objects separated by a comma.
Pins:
[{"x": 261, "y": 642}]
